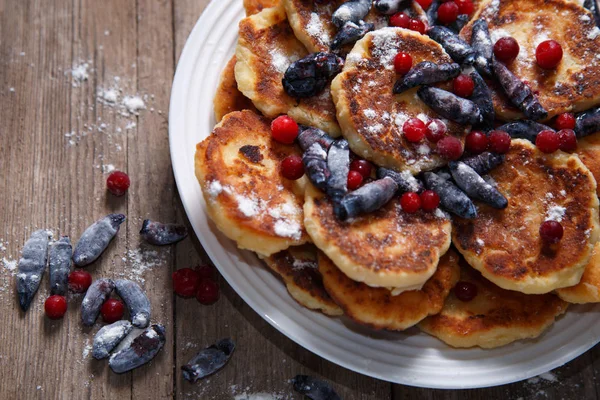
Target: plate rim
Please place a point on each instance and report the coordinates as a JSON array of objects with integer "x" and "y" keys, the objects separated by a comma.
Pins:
[{"x": 178, "y": 89}]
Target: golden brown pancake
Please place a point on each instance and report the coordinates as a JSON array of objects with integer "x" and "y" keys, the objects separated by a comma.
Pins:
[
  {"x": 386, "y": 248},
  {"x": 588, "y": 150},
  {"x": 266, "y": 47},
  {"x": 228, "y": 98},
  {"x": 237, "y": 167},
  {"x": 371, "y": 116},
  {"x": 311, "y": 22},
  {"x": 494, "y": 318},
  {"x": 505, "y": 245},
  {"x": 255, "y": 6},
  {"x": 575, "y": 84},
  {"x": 297, "y": 266},
  {"x": 377, "y": 308},
  {"x": 588, "y": 288}
]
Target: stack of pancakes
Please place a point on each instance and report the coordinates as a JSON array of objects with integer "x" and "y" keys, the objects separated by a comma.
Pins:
[{"x": 390, "y": 269}]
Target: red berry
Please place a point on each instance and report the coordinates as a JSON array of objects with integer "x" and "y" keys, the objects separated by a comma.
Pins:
[
  {"x": 206, "y": 271},
  {"x": 424, "y": 3},
  {"x": 465, "y": 6},
  {"x": 463, "y": 85},
  {"x": 55, "y": 306},
  {"x": 418, "y": 26},
  {"x": 208, "y": 292},
  {"x": 547, "y": 141},
  {"x": 284, "y": 129},
  {"x": 414, "y": 130},
  {"x": 548, "y": 54},
  {"x": 499, "y": 142},
  {"x": 476, "y": 142},
  {"x": 436, "y": 130},
  {"x": 465, "y": 291},
  {"x": 551, "y": 232},
  {"x": 292, "y": 167},
  {"x": 410, "y": 202},
  {"x": 400, "y": 20},
  {"x": 403, "y": 63},
  {"x": 354, "y": 180},
  {"x": 117, "y": 183},
  {"x": 448, "y": 12},
  {"x": 361, "y": 166},
  {"x": 185, "y": 282},
  {"x": 112, "y": 310},
  {"x": 450, "y": 148},
  {"x": 429, "y": 200},
  {"x": 568, "y": 140},
  {"x": 506, "y": 49},
  {"x": 565, "y": 121},
  {"x": 79, "y": 281}
]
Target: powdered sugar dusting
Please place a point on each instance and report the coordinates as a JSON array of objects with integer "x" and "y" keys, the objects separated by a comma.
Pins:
[
  {"x": 555, "y": 213},
  {"x": 315, "y": 29},
  {"x": 287, "y": 228},
  {"x": 385, "y": 42},
  {"x": 279, "y": 61}
]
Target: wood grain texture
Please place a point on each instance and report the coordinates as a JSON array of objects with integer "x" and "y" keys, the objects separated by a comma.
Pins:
[{"x": 56, "y": 141}]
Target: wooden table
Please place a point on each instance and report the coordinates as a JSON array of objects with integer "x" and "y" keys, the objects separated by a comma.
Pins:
[{"x": 59, "y": 136}]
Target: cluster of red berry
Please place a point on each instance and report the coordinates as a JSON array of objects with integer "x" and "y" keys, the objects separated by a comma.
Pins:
[{"x": 199, "y": 282}]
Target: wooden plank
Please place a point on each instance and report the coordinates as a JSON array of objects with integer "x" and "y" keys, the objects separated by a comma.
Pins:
[{"x": 265, "y": 359}]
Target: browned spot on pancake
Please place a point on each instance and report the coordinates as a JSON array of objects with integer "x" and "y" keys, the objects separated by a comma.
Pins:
[
  {"x": 377, "y": 308},
  {"x": 255, "y": 6},
  {"x": 588, "y": 150},
  {"x": 252, "y": 153},
  {"x": 228, "y": 98}
]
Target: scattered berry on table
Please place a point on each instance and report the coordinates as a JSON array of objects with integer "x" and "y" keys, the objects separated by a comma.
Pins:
[
  {"x": 430, "y": 200},
  {"x": 208, "y": 292},
  {"x": 548, "y": 54},
  {"x": 450, "y": 148},
  {"x": 112, "y": 310},
  {"x": 117, "y": 183},
  {"x": 284, "y": 129},
  {"x": 568, "y": 140},
  {"x": 410, "y": 202},
  {"x": 79, "y": 281},
  {"x": 465, "y": 291},
  {"x": 206, "y": 271},
  {"x": 414, "y": 130},
  {"x": 418, "y": 26},
  {"x": 436, "y": 130},
  {"x": 425, "y": 4},
  {"x": 292, "y": 167},
  {"x": 362, "y": 166},
  {"x": 355, "y": 179},
  {"x": 499, "y": 142},
  {"x": 55, "y": 306},
  {"x": 400, "y": 20},
  {"x": 448, "y": 12},
  {"x": 465, "y": 7},
  {"x": 476, "y": 142},
  {"x": 403, "y": 63},
  {"x": 565, "y": 121},
  {"x": 506, "y": 49},
  {"x": 551, "y": 231},
  {"x": 186, "y": 280},
  {"x": 547, "y": 141},
  {"x": 463, "y": 85}
]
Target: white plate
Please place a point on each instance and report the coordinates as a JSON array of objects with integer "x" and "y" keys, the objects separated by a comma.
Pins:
[{"x": 410, "y": 358}]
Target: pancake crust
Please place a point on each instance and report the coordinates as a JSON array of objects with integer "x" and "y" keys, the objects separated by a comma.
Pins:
[
  {"x": 505, "y": 245},
  {"x": 575, "y": 85},
  {"x": 588, "y": 288},
  {"x": 297, "y": 266},
  {"x": 377, "y": 308},
  {"x": 386, "y": 248},
  {"x": 494, "y": 318},
  {"x": 246, "y": 196},
  {"x": 266, "y": 47},
  {"x": 371, "y": 116},
  {"x": 311, "y": 22},
  {"x": 255, "y": 6},
  {"x": 228, "y": 98},
  {"x": 588, "y": 150}
]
